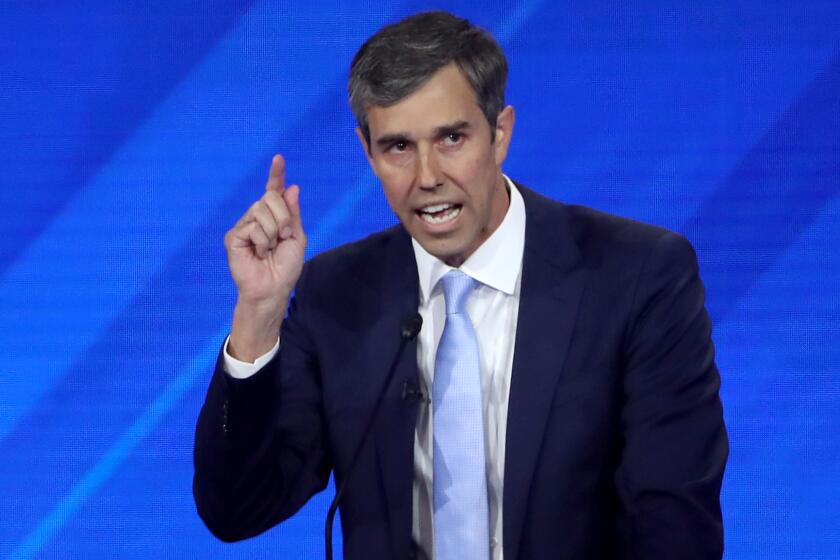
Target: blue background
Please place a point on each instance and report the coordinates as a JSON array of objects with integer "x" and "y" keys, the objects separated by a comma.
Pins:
[{"x": 133, "y": 134}]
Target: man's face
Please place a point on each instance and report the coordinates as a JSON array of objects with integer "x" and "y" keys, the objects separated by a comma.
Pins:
[{"x": 440, "y": 171}]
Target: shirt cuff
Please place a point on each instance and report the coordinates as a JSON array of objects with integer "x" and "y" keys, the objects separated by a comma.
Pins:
[{"x": 242, "y": 370}]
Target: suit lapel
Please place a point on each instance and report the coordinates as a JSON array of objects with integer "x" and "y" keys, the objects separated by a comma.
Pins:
[
  {"x": 552, "y": 283},
  {"x": 394, "y": 430}
]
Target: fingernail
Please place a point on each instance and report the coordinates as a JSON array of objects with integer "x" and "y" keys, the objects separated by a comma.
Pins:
[{"x": 286, "y": 232}]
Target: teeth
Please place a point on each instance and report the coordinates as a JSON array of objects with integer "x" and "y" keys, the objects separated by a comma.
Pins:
[
  {"x": 436, "y": 208},
  {"x": 451, "y": 215}
]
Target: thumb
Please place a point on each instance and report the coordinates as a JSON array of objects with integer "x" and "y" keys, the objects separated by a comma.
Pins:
[{"x": 292, "y": 198}]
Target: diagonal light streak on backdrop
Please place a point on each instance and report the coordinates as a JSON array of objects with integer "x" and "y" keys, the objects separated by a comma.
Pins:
[
  {"x": 787, "y": 177},
  {"x": 116, "y": 454},
  {"x": 128, "y": 441},
  {"x": 165, "y": 157},
  {"x": 610, "y": 168}
]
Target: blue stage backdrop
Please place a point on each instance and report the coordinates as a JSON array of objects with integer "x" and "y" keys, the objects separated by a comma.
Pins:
[{"x": 133, "y": 134}]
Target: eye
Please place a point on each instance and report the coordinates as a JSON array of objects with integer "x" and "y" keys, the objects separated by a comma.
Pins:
[
  {"x": 453, "y": 139},
  {"x": 399, "y": 147}
]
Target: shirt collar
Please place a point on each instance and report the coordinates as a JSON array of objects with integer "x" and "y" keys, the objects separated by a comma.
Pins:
[{"x": 496, "y": 263}]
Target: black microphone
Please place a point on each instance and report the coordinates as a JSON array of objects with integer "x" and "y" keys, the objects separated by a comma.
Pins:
[
  {"x": 409, "y": 329},
  {"x": 410, "y": 390}
]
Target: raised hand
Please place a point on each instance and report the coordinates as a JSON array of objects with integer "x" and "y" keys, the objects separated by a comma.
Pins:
[{"x": 265, "y": 252}]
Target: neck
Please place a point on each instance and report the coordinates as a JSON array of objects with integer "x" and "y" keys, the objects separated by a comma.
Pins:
[{"x": 498, "y": 213}]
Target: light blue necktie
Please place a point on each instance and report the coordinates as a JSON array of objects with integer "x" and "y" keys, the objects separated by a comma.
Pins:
[{"x": 460, "y": 483}]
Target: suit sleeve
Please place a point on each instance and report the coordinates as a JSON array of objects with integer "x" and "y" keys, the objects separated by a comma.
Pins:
[
  {"x": 675, "y": 442},
  {"x": 260, "y": 450}
]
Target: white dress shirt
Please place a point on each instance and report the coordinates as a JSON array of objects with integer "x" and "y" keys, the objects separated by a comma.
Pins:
[{"x": 493, "y": 309}]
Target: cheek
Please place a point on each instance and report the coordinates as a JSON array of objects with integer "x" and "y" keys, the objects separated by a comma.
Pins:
[
  {"x": 396, "y": 192},
  {"x": 465, "y": 172},
  {"x": 478, "y": 163},
  {"x": 476, "y": 175}
]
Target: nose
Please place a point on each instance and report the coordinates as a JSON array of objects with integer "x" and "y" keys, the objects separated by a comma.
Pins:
[{"x": 428, "y": 170}]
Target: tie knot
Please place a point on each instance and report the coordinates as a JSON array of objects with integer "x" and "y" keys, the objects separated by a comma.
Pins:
[{"x": 457, "y": 287}]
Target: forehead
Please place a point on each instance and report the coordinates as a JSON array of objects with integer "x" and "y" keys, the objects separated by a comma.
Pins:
[{"x": 445, "y": 99}]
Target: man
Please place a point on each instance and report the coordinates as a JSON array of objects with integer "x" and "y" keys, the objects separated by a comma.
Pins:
[{"x": 561, "y": 399}]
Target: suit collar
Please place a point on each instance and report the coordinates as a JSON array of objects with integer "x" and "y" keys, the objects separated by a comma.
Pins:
[
  {"x": 553, "y": 281},
  {"x": 548, "y": 235}
]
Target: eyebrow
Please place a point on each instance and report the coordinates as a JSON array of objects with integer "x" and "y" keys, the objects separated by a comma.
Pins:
[
  {"x": 389, "y": 139},
  {"x": 447, "y": 129},
  {"x": 439, "y": 132}
]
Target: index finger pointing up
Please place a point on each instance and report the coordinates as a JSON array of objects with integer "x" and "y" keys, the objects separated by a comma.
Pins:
[{"x": 277, "y": 175}]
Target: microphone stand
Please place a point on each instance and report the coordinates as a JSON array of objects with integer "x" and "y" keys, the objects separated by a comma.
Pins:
[{"x": 409, "y": 328}]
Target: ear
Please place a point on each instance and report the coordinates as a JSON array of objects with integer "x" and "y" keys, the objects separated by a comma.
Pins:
[
  {"x": 365, "y": 148},
  {"x": 504, "y": 132}
]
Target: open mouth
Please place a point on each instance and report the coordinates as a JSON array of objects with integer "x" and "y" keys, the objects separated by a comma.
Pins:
[{"x": 439, "y": 213}]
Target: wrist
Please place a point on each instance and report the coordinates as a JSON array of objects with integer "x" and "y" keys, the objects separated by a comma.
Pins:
[{"x": 255, "y": 328}]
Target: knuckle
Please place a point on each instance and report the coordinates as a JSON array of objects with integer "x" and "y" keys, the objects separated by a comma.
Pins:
[
  {"x": 270, "y": 233},
  {"x": 233, "y": 232},
  {"x": 257, "y": 232}
]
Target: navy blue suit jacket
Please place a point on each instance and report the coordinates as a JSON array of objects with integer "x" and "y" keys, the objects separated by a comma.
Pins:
[{"x": 615, "y": 442}]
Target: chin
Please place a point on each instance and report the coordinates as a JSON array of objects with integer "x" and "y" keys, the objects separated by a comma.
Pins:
[{"x": 453, "y": 256}]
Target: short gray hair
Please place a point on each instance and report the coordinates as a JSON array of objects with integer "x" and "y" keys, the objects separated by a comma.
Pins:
[{"x": 400, "y": 58}]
